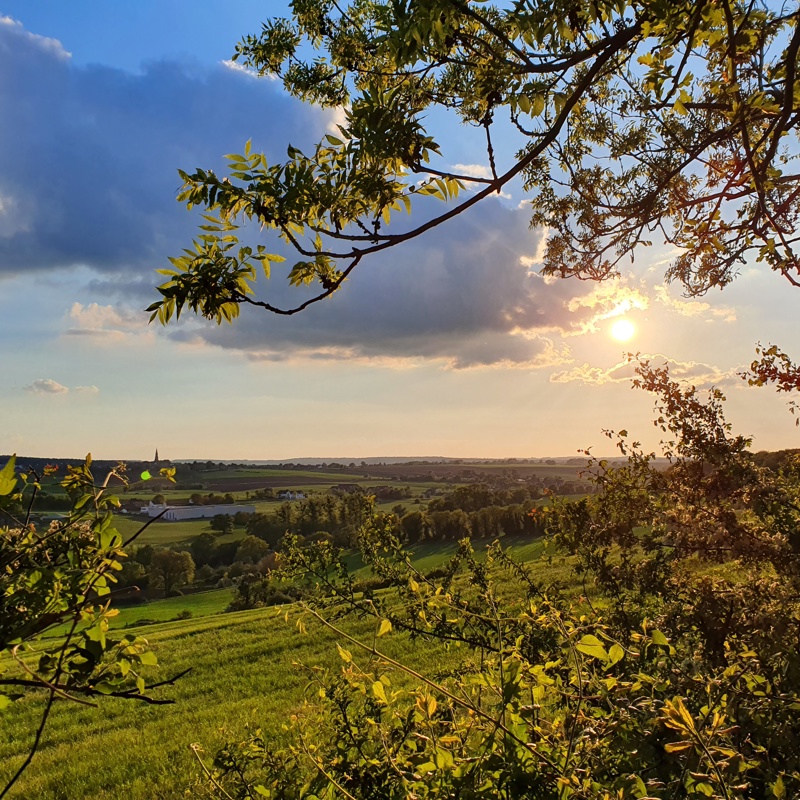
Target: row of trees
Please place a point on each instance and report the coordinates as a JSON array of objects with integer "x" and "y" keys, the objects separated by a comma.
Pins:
[
  {"x": 487, "y": 523},
  {"x": 340, "y": 516}
]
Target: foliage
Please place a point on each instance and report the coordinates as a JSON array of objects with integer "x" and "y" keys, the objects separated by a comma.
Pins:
[
  {"x": 339, "y": 515},
  {"x": 775, "y": 367},
  {"x": 170, "y": 569},
  {"x": 252, "y": 549},
  {"x": 223, "y": 523},
  {"x": 59, "y": 581},
  {"x": 676, "y": 675},
  {"x": 632, "y": 118}
]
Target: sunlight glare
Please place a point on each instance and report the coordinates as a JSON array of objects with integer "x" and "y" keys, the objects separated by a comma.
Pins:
[{"x": 623, "y": 330}]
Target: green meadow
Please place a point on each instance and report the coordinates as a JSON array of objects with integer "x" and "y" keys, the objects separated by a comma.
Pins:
[{"x": 246, "y": 670}]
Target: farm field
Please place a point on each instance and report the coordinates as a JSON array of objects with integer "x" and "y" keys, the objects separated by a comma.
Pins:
[
  {"x": 245, "y": 670},
  {"x": 428, "y": 556},
  {"x": 199, "y": 604},
  {"x": 165, "y": 534}
]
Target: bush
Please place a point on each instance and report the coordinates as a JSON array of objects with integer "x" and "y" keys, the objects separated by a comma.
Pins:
[
  {"x": 63, "y": 576},
  {"x": 683, "y": 682}
]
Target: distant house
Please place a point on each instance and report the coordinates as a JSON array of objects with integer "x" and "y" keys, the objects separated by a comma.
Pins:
[
  {"x": 291, "y": 494},
  {"x": 177, "y": 513}
]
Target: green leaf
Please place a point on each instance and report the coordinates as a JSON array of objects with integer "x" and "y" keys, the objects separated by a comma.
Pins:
[
  {"x": 379, "y": 692},
  {"x": 8, "y": 477},
  {"x": 660, "y": 639},
  {"x": 385, "y": 627},
  {"x": 678, "y": 747},
  {"x": 616, "y": 654},
  {"x": 345, "y": 655},
  {"x": 778, "y": 788},
  {"x": 591, "y": 646}
]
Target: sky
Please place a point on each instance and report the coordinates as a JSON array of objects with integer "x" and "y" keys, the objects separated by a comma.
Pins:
[{"x": 451, "y": 345}]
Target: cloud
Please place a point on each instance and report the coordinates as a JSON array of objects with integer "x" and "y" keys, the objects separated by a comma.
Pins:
[
  {"x": 46, "y": 386},
  {"x": 88, "y": 159},
  {"x": 472, "y": 170},
  {"x": 107, "y": 323},
  {"x": 692, "y": 308},
  {"x": 612, "y": 298},
  {"x": 41, "y": 43},
  {"x": 89, "y": 155},
  {"x": 698, "y": 374},
  {"x": 462, "y": 296}
]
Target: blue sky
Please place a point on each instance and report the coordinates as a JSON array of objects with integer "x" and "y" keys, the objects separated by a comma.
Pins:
[{"x": 450, "y": 346}]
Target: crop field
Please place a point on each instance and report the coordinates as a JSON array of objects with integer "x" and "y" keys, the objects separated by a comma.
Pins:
[
  {"x": 164, "y": 533},
  {"x": 246, "y": 670}
]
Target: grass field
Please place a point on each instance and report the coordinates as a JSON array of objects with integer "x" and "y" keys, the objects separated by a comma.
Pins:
[
  {"x": 165, "y": 534},
  {"x": 200, "y": 604},
  {"x": 245, "y": 670}
]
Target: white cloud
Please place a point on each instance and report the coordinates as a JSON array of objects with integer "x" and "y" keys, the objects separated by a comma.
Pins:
[
  {"x": 472, "y": 170},
  {"x": 46, "y": 386},
  {"x": 612, "y": 298},
  {"x": 107, "y": 323},
  {"x": 235, "y": 66},
  {"x": 693, "y": 308},
  {"x": 694, "y": 372},
  {"x": 44, "y": 43}
]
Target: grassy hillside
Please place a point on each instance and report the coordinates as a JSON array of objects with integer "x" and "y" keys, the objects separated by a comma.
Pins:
[{"x": 245, "y": 670}]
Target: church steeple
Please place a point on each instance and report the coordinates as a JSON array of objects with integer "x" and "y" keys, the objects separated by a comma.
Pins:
[{"x": 156, "y": 459}]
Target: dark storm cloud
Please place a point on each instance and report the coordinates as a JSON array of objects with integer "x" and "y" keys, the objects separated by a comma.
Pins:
[
  {"x": 88, "y": 156},
  {"x": 463, "y": 294},
  {"x": 88, "y": 160}
]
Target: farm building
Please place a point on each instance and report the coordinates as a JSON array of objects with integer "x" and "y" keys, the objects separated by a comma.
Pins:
[
  {"x": 176, "y": 513},
  {"x": 291, "y": 494}
]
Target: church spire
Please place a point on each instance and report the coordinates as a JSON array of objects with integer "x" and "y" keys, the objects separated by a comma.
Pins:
[{"x": 155, "y": 460}]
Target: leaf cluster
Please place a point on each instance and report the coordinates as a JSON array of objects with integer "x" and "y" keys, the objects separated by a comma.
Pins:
[
  {"x": 55, "y": 589},
  {"x": 632, "y": 119}
]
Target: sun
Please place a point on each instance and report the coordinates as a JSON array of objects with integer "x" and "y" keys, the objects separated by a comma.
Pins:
[{"x": 623, "y": 330}]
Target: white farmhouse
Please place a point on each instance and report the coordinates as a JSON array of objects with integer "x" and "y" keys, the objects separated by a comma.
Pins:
[{"x": 291, "y": 494}]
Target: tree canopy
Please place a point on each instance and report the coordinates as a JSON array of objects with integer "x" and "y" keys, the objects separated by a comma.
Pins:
[{"x": 673, "y": 120}]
